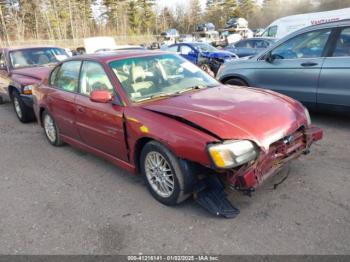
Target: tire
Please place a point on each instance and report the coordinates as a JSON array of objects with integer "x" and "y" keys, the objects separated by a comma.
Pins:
[
  {"x": 235, "y": 82},
  {"x": 24, "y": 113},
  {"x": 51, "y": 130},
  {"x": 157, "y": 180}
]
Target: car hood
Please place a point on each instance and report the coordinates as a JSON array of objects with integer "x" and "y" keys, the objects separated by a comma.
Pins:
[
  {"x": 235, "y": 113},
  {"x": 37, "y": 73},
  {"x": 218, "y": 54}
]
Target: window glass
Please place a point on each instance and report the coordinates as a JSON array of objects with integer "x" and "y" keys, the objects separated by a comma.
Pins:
[
  {"x": 260, "y": 44},
  {"x": 270, "y": 32},
  {"x": 185, "y": 50},
  {"x": 307, "y": 45},
  {"x": 53, "y": 76},
  {"x": 37, "y": 56},
  {"x": 93, "y": 77},
  {"x": 147, "y": 77},
  {"x": 343, "y": 44},
  {"x": 242, "y": 44},
  {"x": 67, "y": 76},
  {"x": 173, "y": 48}
]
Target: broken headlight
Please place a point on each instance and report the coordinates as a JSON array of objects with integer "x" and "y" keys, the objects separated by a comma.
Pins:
[{"x": 232, "y": 153}]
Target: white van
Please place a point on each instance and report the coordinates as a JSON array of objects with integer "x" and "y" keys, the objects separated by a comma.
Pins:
[{"x": 286, "y": 25}]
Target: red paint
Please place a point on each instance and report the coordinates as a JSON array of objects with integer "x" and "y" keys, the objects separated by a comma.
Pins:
[{"x": 217, "y": 114}]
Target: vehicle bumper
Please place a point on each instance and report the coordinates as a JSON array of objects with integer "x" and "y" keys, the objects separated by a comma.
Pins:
[
  {"x": 269, "y": 163},
  {"x": 27, "y": 100}
]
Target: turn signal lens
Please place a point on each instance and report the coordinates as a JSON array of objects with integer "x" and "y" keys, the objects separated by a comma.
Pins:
[{"x": 27, "y": 90}]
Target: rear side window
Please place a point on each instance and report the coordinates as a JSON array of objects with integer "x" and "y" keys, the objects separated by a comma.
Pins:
[
  {"x": 343, "y": 44},
  {"x": 67, "y": 76}
]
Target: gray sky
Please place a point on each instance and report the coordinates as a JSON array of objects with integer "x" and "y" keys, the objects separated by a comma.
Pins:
[{"x": 173, "y": 3}]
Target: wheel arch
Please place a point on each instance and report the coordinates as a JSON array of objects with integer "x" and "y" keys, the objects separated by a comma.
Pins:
[{"x": 239, "y": 77}]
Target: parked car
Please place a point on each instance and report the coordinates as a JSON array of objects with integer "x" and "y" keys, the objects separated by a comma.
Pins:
[
  {"x": 22, "y": 67},
  {"x": 311, "y": 65},
  {"x": 249, "y": 47},
  {"x": 203, "y": 55},
  {"x": 157, "y": 114}
]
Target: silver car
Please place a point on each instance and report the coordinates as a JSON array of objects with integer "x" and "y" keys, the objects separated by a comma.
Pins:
[{"x": 311, "y": 65}]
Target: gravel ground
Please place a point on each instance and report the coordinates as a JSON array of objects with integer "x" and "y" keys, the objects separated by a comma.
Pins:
[{"x": 64, "y": 201}]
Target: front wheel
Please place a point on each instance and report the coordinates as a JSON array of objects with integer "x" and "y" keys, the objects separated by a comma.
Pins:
[
  {"x": 162, "y": 173},
  {"x": 235, "y": 82},
  {"x": 23, "y": 112}
]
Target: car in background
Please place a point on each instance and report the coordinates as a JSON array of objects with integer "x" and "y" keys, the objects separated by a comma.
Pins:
[
  {"x": 20, "y": 69},
  {"x": 311, "y": 65},
  {"x": 203, "y": 55},
  {"x": 250, "y": 46},
  {"x": 186, "y": 38},
  {"x": 157, "y": 114}
]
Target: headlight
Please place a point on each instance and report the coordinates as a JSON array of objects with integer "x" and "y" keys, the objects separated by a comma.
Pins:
[
  {"x": 307, "y": 115},
  {"x": 27, "y": 90},
  {"x": 232, "y": 153}
]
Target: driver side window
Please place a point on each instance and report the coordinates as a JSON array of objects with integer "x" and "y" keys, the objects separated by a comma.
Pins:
[
  {"x": 185, "y": 50},
  {"x": 93, "y": 77},
  {"x": 306, "y": 45}
]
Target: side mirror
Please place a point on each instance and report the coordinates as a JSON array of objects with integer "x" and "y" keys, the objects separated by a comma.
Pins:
[
  {"x": 269, "y": 57},
  {"x": 100, "y": 96}
]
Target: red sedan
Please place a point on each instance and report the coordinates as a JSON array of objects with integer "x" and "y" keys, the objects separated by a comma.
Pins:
[{"x": 157, "y": 114}]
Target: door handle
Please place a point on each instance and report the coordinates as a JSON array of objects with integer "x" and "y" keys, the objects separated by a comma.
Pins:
[
  {"x": 80, "y": 109},
  {"x": 309, "y": 64}
]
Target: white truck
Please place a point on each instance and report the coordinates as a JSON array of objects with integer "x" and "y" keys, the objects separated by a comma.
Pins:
[{"x": 286, "y": 25}]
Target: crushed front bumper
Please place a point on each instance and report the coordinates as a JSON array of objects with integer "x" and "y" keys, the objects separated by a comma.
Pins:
[{"x": 247, "y": 178}]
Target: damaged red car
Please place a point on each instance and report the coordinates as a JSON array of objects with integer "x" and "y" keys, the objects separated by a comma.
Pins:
[{"x": 159, "y": 115}]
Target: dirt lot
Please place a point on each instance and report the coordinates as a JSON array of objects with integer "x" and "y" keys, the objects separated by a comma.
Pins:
[{"x": 64, "y": 201}]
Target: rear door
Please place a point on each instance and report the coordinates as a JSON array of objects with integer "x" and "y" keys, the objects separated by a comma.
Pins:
[
  {"x": 61, "y": 100},
  {"x": 100, "y": 125},
  {"x": 296, "y": 66},
  {"x": 334, "y": 85}
]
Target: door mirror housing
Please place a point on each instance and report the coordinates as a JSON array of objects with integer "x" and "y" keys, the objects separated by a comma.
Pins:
[
  {"x": 100, "y": 96},
  {"x": 269, "y": 58}
]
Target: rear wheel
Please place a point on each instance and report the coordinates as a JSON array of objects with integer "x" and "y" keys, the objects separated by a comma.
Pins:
[
  {"x": 51, "y": 130},
  {"x": 24, "y": 113},
  {"x": 162, "y": 173},
  {"x": 235, "y": 82}
]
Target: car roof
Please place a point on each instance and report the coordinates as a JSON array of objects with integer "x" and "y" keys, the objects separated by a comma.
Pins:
[
  {"x": 260, "y": 38},
  {"x": 106, "y": 57}
]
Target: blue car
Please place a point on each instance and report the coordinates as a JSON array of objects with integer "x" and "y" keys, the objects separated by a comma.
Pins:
[{"x": 203, "y": 55}]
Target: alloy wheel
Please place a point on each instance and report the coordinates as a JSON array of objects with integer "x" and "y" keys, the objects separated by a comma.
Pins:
[
  {"x": 159, "y": 174},
  {"x": 50, "y": 129}
]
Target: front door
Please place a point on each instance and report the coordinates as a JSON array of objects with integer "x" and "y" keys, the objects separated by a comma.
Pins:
[
  {"x": 100, "y": 125},
  {"x": 334, "y": 89},
  {"x": 189, "y": 53},
  {"x": 61, "y": 100},
  {"x": 295, "y": 66}
]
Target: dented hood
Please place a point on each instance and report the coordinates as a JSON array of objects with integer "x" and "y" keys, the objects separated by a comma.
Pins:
[
  {"x": 38, "y": 73},
  {"x": 235, "y": 113}
]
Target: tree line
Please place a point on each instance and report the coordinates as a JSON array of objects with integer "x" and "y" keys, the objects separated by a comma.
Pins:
[{"x": 71, "y": 19}]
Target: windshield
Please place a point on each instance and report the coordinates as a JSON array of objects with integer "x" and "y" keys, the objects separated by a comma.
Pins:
[
  {"x": 36, "y": 56},
  {"x": 148, "y": 77},
  {"x": 204, "y": 47}
]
